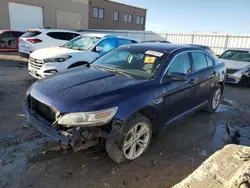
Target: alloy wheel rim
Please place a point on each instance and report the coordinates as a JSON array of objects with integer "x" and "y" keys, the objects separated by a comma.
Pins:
[
  {"x": 136, "y": 141},
  {"x": 216, "y": 98}
]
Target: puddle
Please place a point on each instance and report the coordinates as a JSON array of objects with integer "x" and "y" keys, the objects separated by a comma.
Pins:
[
  {"x": 223, "y": 108},
  {"x": 236, "y": 135}
]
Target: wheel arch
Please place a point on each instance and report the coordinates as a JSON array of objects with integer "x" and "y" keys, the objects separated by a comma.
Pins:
[{"x": 150, "y": 112}]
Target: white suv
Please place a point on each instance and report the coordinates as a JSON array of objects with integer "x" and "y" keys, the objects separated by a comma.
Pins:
[
  {"x": 79, "y": 51},
  {"x": 35, "y": 39}
]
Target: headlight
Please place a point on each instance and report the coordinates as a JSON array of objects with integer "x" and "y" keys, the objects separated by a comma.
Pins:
[
  {"x": 241, "y": 72},
  {"x": 85, "y": 119},
  {"x": 57, "y": 59}
]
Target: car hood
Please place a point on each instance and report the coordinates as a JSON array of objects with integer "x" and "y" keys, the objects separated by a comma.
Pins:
[
  {"x": 231, "y": 64},
  {"x": 83, "y": 89},
  {"x": 52, "y": 52}
]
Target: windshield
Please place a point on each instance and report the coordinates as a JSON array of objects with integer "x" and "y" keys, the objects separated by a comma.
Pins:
[
  {"x": 236, "y": 55},
  {"x": 81, "y": 43},
  {"x": 141, "y": 63}
]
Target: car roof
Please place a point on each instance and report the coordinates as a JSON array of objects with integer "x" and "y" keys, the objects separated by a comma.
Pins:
[
  {"x": 240, "y": 49},
  {"x": 101, "y": 35},
  {"x": 162, "y": 47},
  {"x": 199, "y": 45},
  {"x": 52, "y": 30}
]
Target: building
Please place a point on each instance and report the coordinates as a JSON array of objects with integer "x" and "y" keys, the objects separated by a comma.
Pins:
[
  {"x": 70, "y": 14},
  {"x": 106, "y": 14}
]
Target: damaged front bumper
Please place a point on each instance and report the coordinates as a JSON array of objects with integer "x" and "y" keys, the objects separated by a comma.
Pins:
[
  {"x": 45, "y": 127},
  {"x": 75, "y": 137}
]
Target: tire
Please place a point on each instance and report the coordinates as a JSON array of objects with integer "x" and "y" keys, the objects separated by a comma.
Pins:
[
  {"x": 211, "y": 107},
  {"x": 137, "y": 124}
]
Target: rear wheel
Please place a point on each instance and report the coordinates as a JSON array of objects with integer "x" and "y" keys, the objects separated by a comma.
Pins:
[
  {"x": 136, "y": 139},
  {"x": 214, "y": 100}
]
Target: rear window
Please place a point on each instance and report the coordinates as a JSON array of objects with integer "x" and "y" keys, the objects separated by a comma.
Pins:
[{"x": 31, "y": 34}]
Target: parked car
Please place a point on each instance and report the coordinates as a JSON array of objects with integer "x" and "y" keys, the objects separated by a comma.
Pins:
[
  {"x": 9, "y": 40},
  {"x": 207, "y": 48},
  {"x": 79, "y": 51},
  {"x": 35, "y": 39},
  {"x": 237, "y": 62},
  {"x": 124, "y": 96},
  {"x": 156, "y": 41}
]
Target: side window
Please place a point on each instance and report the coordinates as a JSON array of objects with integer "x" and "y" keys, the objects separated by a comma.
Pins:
[
  {"x": 71, "y": 36},
  {"x": 108, "y": 44},
  {"x": 17, "y": 34},
  {"x": 6, "y": 35},
  {"x": 199, "y": 60},
  {"x": 181, "y": 64},
  {"x": 124, "y": 41},
  {"x": 62, "y": 35},
  {"x": 210, "y": 62}
]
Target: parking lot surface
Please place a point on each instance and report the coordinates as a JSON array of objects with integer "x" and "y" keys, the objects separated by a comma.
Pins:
[{"x": 29, "y": 159}]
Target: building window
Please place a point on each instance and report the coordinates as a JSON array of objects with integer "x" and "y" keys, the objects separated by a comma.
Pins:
[
  {"x": 98, "y": 13},
  {"x": 116, "y": 16},
  {"x": 128, "y": 18},
  {"x": 140, "y": 20}
]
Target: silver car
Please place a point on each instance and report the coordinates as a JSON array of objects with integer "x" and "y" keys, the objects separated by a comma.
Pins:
[{"x": 237, "y": 63}]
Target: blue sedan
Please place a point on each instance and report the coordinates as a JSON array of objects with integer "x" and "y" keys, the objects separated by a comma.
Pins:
[{"x": 125, "y": 96}]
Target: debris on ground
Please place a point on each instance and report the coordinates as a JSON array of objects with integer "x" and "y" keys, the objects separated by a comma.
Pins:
[{"x": 202, "y": 152}]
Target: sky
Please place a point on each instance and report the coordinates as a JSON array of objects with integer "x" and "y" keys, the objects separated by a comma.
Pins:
[{"x": 224, "y": 16}]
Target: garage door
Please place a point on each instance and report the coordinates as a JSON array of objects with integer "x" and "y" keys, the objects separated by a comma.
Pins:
[
  {"x": 68, "y": 20},
  {"x": 24, "y": 17}
]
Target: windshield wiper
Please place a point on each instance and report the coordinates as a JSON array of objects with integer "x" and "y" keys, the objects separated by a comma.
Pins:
[{"x": 116, "y": 71}]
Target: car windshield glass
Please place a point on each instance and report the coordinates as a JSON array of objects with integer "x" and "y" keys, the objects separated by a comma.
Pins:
[
  {"x": 81, "y": 43},
  {"x": 1, "y": 31},
  {"x": 236, "y": 55},
  {"x": 139, "y": 63}
]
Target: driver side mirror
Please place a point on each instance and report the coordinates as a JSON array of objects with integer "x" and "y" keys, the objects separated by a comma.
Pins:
[
  {"x": 99, "y": 49},
  {"x": 175, "y": 76}
]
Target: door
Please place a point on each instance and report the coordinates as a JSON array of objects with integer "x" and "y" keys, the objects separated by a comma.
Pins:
[
  {"x": 68, "y": 20},
  {"x": 24, "y": 17},
  {"x": 178, "y": 95},
  {"x": 205, "y": 76}
]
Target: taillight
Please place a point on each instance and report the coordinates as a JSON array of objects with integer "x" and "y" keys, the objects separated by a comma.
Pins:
[{"x": 33, "y": 41}]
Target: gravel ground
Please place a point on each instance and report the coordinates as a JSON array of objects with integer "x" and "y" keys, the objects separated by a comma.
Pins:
[{"x": 28, "y": 159}]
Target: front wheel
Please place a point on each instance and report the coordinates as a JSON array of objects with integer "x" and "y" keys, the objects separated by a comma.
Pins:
[
  {"x": 214, "y": 100},
  {"x": 137, "y": 136}
]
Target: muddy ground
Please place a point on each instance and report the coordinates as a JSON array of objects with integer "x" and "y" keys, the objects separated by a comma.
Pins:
[{"x": 28, "y": 159}]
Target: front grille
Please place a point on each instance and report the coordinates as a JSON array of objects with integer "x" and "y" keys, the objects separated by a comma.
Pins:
[
  {"x": 231, "y": 71},
  {"x": 47, "y": 112},
  {"x": 230, "y": 80},
  {"x": 35, "y": 63}
]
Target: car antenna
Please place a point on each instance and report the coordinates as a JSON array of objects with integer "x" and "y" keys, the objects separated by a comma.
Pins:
[{"x": 38, "y": 26}]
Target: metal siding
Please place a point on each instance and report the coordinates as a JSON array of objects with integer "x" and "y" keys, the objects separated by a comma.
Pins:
[
  {"x": 66, "y": 19},
  {"x": 4, "y": 15},
  {"x": 49, "y": 8}
]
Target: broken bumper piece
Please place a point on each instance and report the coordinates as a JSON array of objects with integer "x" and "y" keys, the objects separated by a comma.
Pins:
[{"x": 45, "y": 127}]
